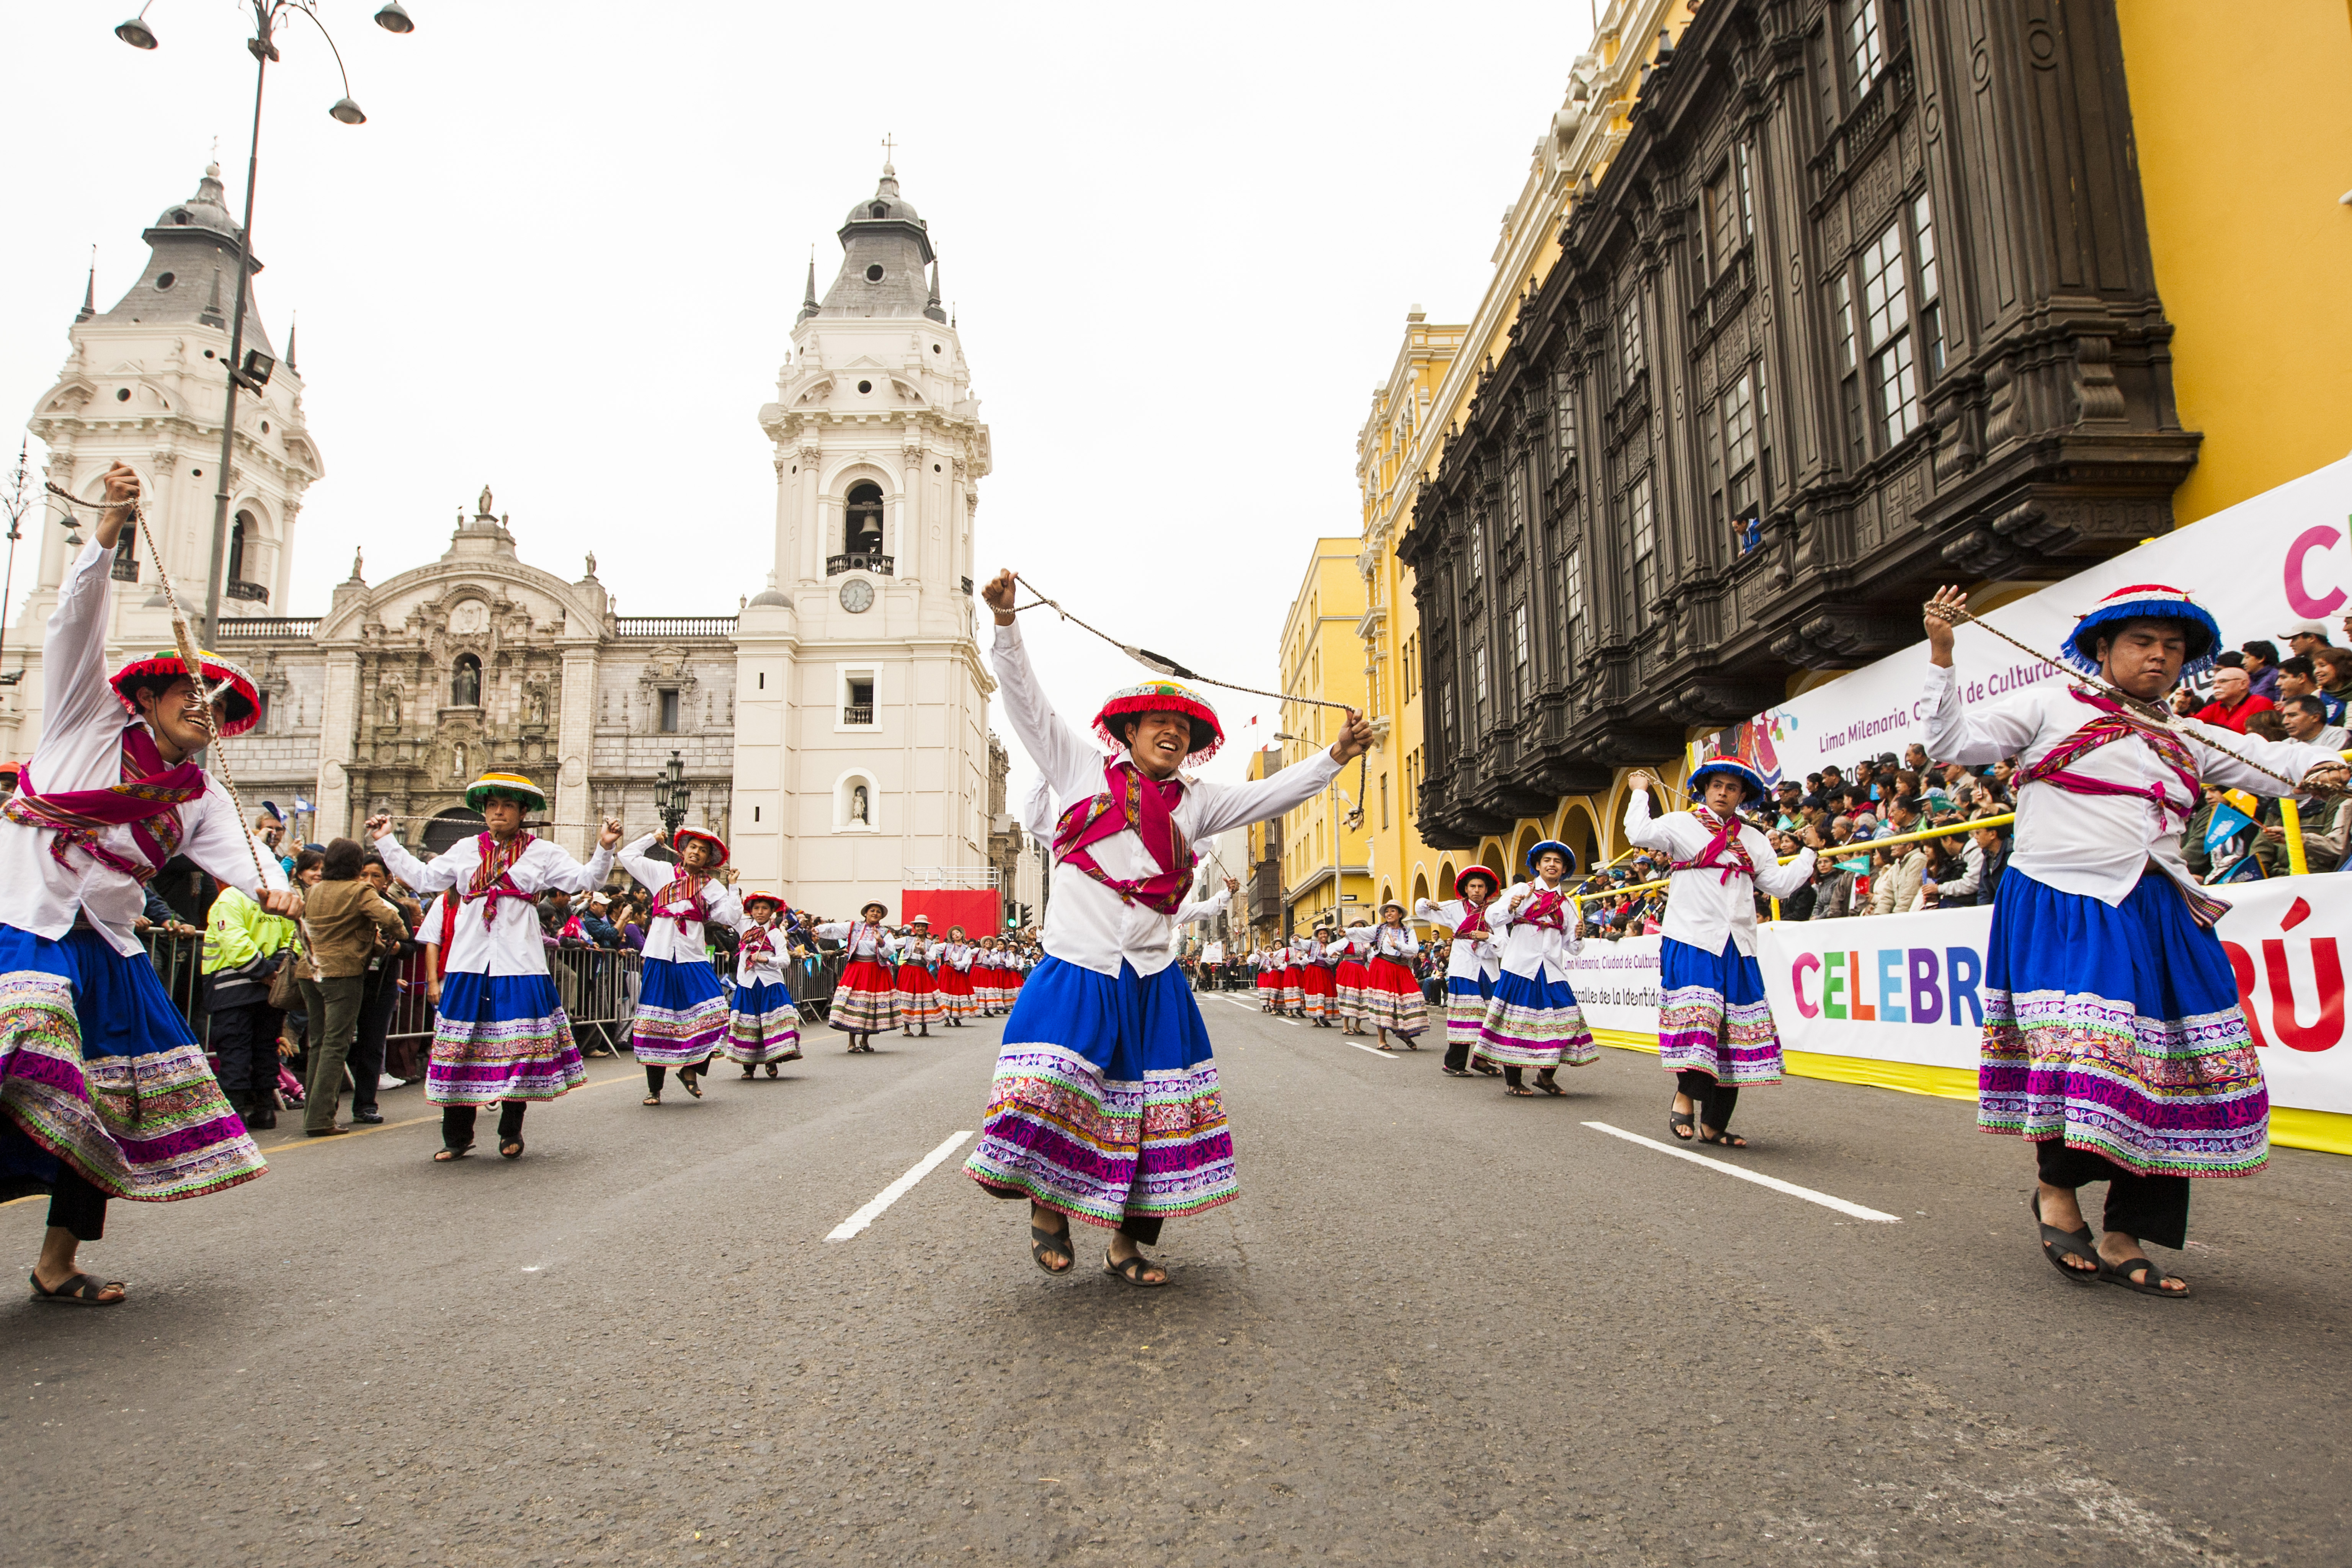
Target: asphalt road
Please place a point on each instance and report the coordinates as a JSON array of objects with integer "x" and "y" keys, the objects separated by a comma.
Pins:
[{"x": 1439, "y": 1326}]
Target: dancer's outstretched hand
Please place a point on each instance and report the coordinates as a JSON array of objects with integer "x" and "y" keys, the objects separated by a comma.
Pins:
[
  {"x": 1355, "y": 738},
  {"x": 1938, "y": 625},
  {"x": 377, "y": 825},
  {"x": 997, "y": 595}
]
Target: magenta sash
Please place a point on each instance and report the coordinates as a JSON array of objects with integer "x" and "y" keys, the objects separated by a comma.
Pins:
[
  {"x": 2056, "y": 767},
  {"x": 1544, "y": 908},
  {"x": 493, "y": 877},
  {"x": 668, "y": 904},
  {"x": 1727, "y": 839},
  {"x": 148, "y": 799},
  {"x": 1147, "y": 805},
  {"x": 755, "y": 945},
  {"x": 1474, "y": 923}
]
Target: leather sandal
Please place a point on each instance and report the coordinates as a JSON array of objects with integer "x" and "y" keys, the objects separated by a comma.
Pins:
[
  {"x": 80, "y": 1291},
  {"x": 1132, "y": 1271},
  {"x": 1042, "y": 1241},
  {"x": 443, "y": 1156},
  {"x": 2149, "y": 1282},
  {"x": 2056, "y": 1244}
]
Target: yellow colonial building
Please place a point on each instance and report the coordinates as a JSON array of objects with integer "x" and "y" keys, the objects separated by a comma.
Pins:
[{"x": 1325, "y": 860}]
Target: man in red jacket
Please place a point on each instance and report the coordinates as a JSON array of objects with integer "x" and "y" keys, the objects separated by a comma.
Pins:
[{"x": 2233, "y": 702}]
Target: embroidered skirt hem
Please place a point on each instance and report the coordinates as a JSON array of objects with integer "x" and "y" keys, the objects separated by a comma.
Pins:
[
  {"x": 1393, "y": 999},
  {"x": 1714, "y": 1017},
  {"x": 1534, "y": 1021},
  {"x": 500, "y": 1036},
  {"x": 681, "y": 1016},
  {"x": 1105, "y": 1101},
  {"x": 2118, "y": 1031},
  {"x": 763, "y": 1026},
  {"x": 99, "y": 1072},
  {"x": 1465, "y": 1008},
  {"x": 866, "y": 999}
]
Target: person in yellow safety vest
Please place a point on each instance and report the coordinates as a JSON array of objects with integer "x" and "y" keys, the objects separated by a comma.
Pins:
[{"x": 241, "y": 944}]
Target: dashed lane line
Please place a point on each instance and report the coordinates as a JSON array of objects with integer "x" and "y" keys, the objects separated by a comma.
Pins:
[
  {"x": 1775, "y": 1183},
  {"x": 895, "y": 1190},
  {"x": 1296, "y": 1023}
]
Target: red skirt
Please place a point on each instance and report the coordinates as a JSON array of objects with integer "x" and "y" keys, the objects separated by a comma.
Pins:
[
  {"x": 1392, "y": 997},
  {"x": 954, "y": 981}
]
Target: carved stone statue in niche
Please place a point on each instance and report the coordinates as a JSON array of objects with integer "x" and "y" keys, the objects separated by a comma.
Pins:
[
  {"x": 534, "y": 701},
  {"x": 457, "y": 762},
  {"x": 860, "y": 808},
  {"x": 392, "y": 705}
]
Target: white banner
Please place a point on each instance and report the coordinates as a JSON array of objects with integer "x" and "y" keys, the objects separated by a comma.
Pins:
[
  {"x": 2260, "y": 566},
  {"x": 1907, "y": 988}
]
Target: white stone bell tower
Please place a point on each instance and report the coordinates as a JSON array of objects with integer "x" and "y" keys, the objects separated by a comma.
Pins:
[
  {"x": 143, "y": 385},
  {"x": 861, "y": 701}
]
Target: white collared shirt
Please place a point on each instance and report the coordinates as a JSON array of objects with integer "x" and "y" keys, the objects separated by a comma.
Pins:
[
  {"x": 2096, "y": 846},
  {"x": 1470, "y": 957},
  {"x": 1384, "y": 942},
  {"x": 667, "y": 938},
  {"x": 511, "y": 943},
  {"x": 1702, "y": 910},
  {"x": 769, "y": 966},
  {"x": 857, "y": 939},
  {"x": 82, "y": 748},
  {"x": 1087, "y": 923},
  {"x": 1527, "y": 946}
]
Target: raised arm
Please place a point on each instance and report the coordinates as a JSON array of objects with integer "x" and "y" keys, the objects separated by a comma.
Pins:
[
  {"x": 1773, "y": 880},
  {"x": 651, "y": 875},
  {"x": 1641, "y": 828},
  {"x": 2296, "y": 759},
  {"x": 554, "y": 870},
  {"x": 442, "y": 874},
  {"x": 1231, "y": 806},
  {"x": 1070, "y": 765},
  {"x": 218, "y": 843},
  {"x": 73, "y": 653},
  {"x": 727, "y": 907}
]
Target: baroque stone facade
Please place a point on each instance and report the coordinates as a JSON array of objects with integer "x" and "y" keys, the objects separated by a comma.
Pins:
[{"x": 402, "y": 693}]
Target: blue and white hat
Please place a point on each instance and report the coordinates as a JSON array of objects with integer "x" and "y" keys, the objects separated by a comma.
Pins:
[
  {"x": 2147, "y": 601},
  {"x": 1752, "y": 781},
  {"x": 1566, "y": 854}
]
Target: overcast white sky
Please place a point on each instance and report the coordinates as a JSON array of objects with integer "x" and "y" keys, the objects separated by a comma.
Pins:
[{"x": 563, "y": 257}]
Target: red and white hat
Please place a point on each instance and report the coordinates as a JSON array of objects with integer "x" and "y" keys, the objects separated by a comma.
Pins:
[
  {"x": 684, "y": 836},
  {"x": 241, "y": 698},
  {"x": 1161, "y": 697}
]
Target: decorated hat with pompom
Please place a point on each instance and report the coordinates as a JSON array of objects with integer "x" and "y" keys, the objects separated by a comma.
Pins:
[
  {"x": 231, "y": 686},
  {"x": 2145, "y": 601},
  {"x": 1161, "y": 696}
]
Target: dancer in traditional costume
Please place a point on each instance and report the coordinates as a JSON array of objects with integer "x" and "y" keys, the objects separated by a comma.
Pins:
[
  {"x": 763, "y": 1023},
  {"x": 1472, "y": 965},
  {"x": 1105, "y": 1105},
  {"x": 1533, "y": 1019},
  {"x": 1392, "y": 998},
  {"x": 103, "y": 1092},
  {"x": 1348, "y": 976},
  {"x": 1715, "y": 1026},
  {"x": 1269, "y": 979},
  {"x": 865, "y": 1001},
  {"x": 1293, "y": 1000},
  {"x": 682, "y": 1018},
  {"x": 917, "y": 989},
  {"x": 2114, "y": 1039},
  {"x": 1319, "y": 961},
  {"x": 956, "y": 997},
  {"x": 994, "y": 990},
  {"x": 501, "y": 1036}
]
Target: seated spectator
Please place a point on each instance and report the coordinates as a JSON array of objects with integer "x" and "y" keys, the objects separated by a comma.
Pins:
[
  {"x": 2192, "y": 833},
  {"x": 2305, "y": 719},
  {"x": 2266, "y": 725},
  {"x": 2261, "y": 667},
  {"x": 1897, "y": 891},
  {"x": 2298, "y": 677},
  {"x": 2335, "y": 668},
  {"x": 2233, "y": 703},
  {"x": 1833, "y": 890},
  {"x": 1992, "y": 858},
  {"x": 2307, "y": 637},
  {"x": 2184, "y": 701}
]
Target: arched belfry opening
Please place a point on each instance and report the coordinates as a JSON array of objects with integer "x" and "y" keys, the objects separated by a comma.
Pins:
[{"x": 861, "y": 519}]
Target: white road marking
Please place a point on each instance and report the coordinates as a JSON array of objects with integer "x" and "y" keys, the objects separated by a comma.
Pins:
[
  {"x": 1775, "y": 1183},
  {"x": 895, "y": 1190}
]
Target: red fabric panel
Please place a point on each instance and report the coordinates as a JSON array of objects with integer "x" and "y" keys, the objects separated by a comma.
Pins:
[{"x": 974, "y": 909}]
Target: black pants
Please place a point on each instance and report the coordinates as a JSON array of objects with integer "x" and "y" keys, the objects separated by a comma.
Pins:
[
  {"x": 1714, "y": 1102},
  {"x": 76, "y": 1205},
  {"x": 2146, "y": 1208},
  {"x": 1139, "y": 1229},
  {"x": 365, "y": 1064},
  {"x": 457, "y": 1123},
  {"x": 244, "y": 1035},
  {"x": 656, "y": 1073}
]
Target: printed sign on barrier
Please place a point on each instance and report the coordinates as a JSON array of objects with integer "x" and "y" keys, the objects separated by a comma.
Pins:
[{"x": 1908, "y": 988}]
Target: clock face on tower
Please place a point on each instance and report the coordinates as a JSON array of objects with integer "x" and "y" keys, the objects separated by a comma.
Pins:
[{"x": 858, "y": 595}]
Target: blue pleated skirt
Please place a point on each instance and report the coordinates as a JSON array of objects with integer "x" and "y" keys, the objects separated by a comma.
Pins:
[
  {"x": 1104, "y": 1103},
  {"x": 1713, "y": 1016},
  {"x": 2117, "y": 1029}
]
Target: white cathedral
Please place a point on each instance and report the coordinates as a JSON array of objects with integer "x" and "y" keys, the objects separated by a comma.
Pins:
[{"x": 835, "y": 732}]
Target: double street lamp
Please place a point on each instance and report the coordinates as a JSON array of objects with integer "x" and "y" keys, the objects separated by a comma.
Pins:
[
  {"x": 672, "y": 794},
  {"x": 252, "y": 370}
]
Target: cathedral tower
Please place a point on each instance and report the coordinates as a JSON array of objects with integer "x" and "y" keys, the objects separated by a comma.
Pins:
[
  {"x": 144, "y": 386},
  {"x": 861, "y": 701}
]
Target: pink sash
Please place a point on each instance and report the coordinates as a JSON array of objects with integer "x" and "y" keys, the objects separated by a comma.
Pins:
[
  {"x": 1544, "y": 908},
  {"x": 2056, "y": 767},
  {"x": 1147, "y": 805},
  {"x": 148, "y": 799},
  {"x": 667, "y": 904},
  {"x": 494, "y": 876},
  {"x": 1725, "y": 839}
]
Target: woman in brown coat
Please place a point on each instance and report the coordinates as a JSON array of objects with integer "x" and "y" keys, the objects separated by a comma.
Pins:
[{"x": 341, "y": 918}]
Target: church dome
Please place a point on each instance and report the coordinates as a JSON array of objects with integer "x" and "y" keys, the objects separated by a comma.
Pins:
[
  {"x": 886, "y": 204},
  {"x": 208, "y": 208},
  {"x": 769, "y": 596}
]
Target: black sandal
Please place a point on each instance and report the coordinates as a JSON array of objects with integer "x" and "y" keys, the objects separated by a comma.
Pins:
[
  {"x": 1454, "y": 1072},
  {"x": 1487, "y": 1069},
  {"x": 1042, "y": 1241},
  {"x": 1549, "y": 1086},
  {"x": 1519, "y": 1090},
  {"x": 686, "y": 1081},
  {"x": 1728, "y": 1139},
  {"x": 444, "y": 1155},
  {"x": 1132, "y": 1271},
  {"x": 2055, "y": 1243},
  {"x": 510, "y": 1148},
  {"x": 2149, "y": 1283},
  {"x": 1683, "y": 1124},
  {"x": 80, "y": 1291}
]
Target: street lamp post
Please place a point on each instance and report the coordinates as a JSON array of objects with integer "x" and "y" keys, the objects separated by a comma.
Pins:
[
  {"x": 16, "y": 505},
  {"x": 671, "y": 794},
  {"x": 252, "y": 370}
]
